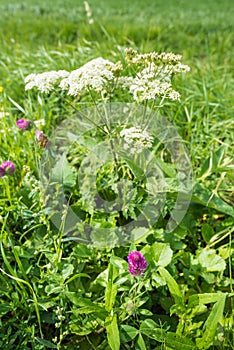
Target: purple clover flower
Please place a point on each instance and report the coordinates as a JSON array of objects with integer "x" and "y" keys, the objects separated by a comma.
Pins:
[
  {"x": 136, "y": 263},
  {"x": 7, "y": 168},
  {"x": 24, "y": 124}
]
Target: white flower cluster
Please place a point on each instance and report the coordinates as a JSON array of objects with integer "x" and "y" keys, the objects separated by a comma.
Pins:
[
  {"x": 136, "y": 139},
  {"x": 46, "y": 81},
  {"x": 154, "y": 81},
  {"x": 94, "y": 75},
  {"x": 154, "y": 75},
  {"x": 133, "y": 57},
  {"x": 151, "y": 77}
]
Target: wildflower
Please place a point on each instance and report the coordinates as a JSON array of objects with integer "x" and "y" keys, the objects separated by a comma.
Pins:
[
  {"x": 136, "y": 139},
  {"x": 45, "y": 82},
  {"x": 39, "y": 122},
  {"x": 23, "y": 124},
  {"x": 41, "y": 138},
  {"x": 3, "y": 114},
  {"x": 151, "y": 82},
  {"x": 7, "y": 168},
  {"x": 136, "y": 263},
  {"x": 154, "y": 77},
  {"x": 1, "y": 89},
  {"x": 133, "y": 57},
  {"x": 94, "y": 75}
]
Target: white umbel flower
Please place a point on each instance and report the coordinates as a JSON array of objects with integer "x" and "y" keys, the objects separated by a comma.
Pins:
[
  {"x": 153, "y": 81},
  {"x": 136, "y": 139},
  {"x": 94, "y": 75},
  {"x": 45, "y": 82}
]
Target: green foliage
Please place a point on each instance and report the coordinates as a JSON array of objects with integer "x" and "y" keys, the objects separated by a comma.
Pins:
[{"x": 57, "y": 291}]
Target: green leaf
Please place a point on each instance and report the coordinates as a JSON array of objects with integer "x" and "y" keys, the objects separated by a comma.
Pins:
[
  {"x": 4, "y": 309},
  {"x": 136, "y": 170},
  {"x": 152, "y": 330},
  {"x": 113, "y": 332},
  {"x": 210, "y": 261},
  {"x": 205, "y": 298},
  {"x": 178, "y": 342},
  {"x": 64, "y": 173},
  {"x": 172, "y": 285},
  {"x": 78, "y": 275},
  {"x": 211, "y": 163},
  {"x": 145, "y": 312},
  {"x": 46, "y": 343},
  {"x": 17, "y": 105},
  {"x": 127, "y": 333},
  {"x": 86, "y": 306},
  {"x": 157, "y": 279},
  {"x": 119, "y": 263},
  {"x": 111, "y": 288},
  {"x": 67, "y": 270},
  {"x": 167, "y": 168},
  {"x": 211, "y": 324},
  {"x": 161, "y": 253},
  {"x": 82, "y": 251},
  {"x": 139, "y": 234},
  {"x": 104, "y": 237},
  {"x": 141, "y": 343},
  {"x": 207, "y": 232},
  {"x": 207, "y": 198},
  {"x": 121, "y": 278},
  {"x": 53, "y": 288}
]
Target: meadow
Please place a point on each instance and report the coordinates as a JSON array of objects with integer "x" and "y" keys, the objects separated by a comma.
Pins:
[{"x": 70, "y": 283}]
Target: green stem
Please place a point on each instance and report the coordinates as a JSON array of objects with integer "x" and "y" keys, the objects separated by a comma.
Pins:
[{"x": 84, "y": 116}]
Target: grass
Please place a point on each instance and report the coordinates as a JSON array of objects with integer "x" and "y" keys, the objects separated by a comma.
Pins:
[{"x": 42, "y": 274}]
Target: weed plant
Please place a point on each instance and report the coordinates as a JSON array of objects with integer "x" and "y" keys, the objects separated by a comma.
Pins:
[{"x": 59, "y": 292}]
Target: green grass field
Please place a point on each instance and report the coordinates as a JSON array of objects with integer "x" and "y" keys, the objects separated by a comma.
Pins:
[{"x": 54, "y": 292}]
